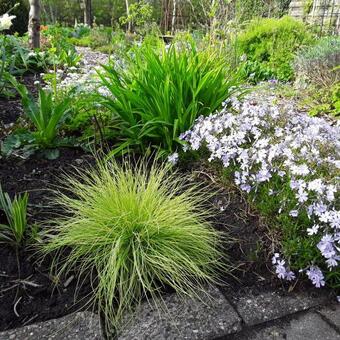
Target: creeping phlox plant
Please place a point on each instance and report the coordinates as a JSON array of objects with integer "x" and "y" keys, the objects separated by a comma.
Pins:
[{"x": 289, "y": 164}]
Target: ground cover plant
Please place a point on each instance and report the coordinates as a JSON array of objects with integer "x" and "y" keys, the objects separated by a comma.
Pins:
[
  {"x": 288, "y": 163},
  {"x": 138, "y": 228}
]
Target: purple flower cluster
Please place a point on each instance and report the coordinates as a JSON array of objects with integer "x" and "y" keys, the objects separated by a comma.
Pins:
[
  {"x": 281, "y": 268},
  {"x": 266, "y": 140}
]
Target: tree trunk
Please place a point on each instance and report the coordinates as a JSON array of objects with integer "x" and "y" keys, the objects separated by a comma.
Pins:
[
  {"x": 87, "y": 12},
  {"x": 127, "y": 15},
  {"x": 173, "y": 19},
  {"x": 34, "y": 24}
]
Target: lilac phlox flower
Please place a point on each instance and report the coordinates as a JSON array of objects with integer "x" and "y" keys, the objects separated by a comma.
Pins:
[
  {"x": 331, "y": 190},
  {"x": 263, "y": 175},
  {"x": 316, "y": 185},
  {"x": 301, "y": 170},
  {"x": 326, "y": 246},
  {"x": 313, "y": 230},
  {"x": 319, "y": 209},
  {"x": 275, "y": 258},
  {"x": 333, "y": 261},
  {"x": 316, "y": 276},
  {"x": 290, "y": 276},
  {"x": 294, "y": 213},
  {"x": 173, "y": 159},
  {"x": 302, "y": 196},
  {"x": 281, "y": 269}
]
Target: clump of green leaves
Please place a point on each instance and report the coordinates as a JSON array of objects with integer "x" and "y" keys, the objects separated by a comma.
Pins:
[
  {"x": 15, "y": 211},
  {"x": 322, "y": 101},
  {"x": 19, "y": 59},
  {"x": 269, "y": 45},
  {"x": 139, "y": 228},
  {"x": 45, "y": 116},
  {"x": 160, "y": 93}
]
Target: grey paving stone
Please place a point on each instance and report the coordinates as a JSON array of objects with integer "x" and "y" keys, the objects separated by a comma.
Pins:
[
  {"x": 184, "y": 319},
  {"x": 256, "y": 309},
  {"x": 268, "y": 333},
  {"x": 76, "y": 326},
  {"x": 308, "y": 326},
  {"x": 332, "y": 314},
  {"x": 311, "y": 327}
]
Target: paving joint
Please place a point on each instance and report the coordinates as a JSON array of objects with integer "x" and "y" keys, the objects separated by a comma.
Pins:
[{"x": 329, "y": 322}]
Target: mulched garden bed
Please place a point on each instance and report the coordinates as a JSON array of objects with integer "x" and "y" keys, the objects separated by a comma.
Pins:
[{"x": 32, "y": 295}]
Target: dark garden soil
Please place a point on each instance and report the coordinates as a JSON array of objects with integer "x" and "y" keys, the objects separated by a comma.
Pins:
[
  {"x": 10, "y": 109},
  {"x": 31, "y": 294}
]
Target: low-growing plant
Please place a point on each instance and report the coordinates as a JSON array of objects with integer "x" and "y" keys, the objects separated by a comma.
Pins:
[
  {"x": 13, "y": 232},
  {"x": 46, "y": 115},
  {"x": 269, "y": 45},
  {"x": 318, "y": 74},
  {"x": 322, "y": 101},
  {"x": 134, "y": 229},
  {"x": 97, "y": 37},
  {"x": 80, "y": 31},
  {"x": 287, "y": 163},
  {"x": 317, "y": 64},
  {"x": 160, "y": 93},
  {"x": 19, "y": 59}
]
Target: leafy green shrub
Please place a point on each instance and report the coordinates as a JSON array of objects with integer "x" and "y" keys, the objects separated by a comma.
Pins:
[
  {"x": 160, "y": 93},
  {"x": 138, "y": 230},
  {"x": 317, "y": 64},
  {"x": 269, "y": 46}
]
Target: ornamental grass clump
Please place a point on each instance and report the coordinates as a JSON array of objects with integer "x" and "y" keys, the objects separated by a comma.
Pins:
[
  {"x": 160, "y": 93},
  {"x": 139, "y": 229}
]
